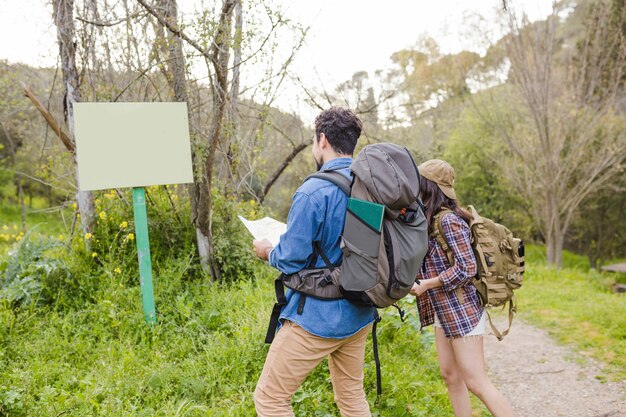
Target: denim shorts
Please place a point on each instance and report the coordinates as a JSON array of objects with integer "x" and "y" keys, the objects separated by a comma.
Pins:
[{"x": 479, "y": 330}]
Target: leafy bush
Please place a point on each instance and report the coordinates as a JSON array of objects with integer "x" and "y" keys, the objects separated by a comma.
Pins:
[
  {"x": 113, "y": 242},
  {"x": 32, "y": 271},
  {"x": 172, "y": 235},
  {"x": 232, "y": 241}
]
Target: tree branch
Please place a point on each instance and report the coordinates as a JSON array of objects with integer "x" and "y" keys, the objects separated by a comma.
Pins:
[
  {"x": 176, "y": 30},
  {"x": 295, "y": 151},
  {"x": 111, "y": 23},
  {"x": 69, "y": 144}
]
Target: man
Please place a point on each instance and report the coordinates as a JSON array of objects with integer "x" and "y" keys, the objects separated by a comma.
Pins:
[{"x": 309, "y": 332}]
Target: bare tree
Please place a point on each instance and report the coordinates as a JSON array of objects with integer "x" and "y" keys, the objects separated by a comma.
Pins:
[
  {"x": 565, "y": 136},
  {"x": 217, "y": 56},
  {"x": 64, "y": 21}
]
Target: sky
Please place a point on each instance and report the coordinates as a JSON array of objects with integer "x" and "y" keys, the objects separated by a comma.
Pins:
[{"x": 345, "y": 36}]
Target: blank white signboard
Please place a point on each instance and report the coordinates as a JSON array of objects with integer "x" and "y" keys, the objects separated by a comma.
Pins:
[{"x": 132, "y": 144}]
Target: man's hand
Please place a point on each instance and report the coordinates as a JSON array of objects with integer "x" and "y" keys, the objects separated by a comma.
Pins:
[{"x": 262, "y": 248}]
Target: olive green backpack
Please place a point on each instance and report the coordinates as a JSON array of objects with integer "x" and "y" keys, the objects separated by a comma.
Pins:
[{"x": 500, "y": 258}]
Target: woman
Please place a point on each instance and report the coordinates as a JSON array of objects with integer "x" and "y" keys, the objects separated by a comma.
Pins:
[{"x": 447, "y": 299}]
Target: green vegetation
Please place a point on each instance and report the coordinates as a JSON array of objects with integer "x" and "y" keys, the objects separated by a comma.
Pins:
[
  {"x": 95, "y": 355},
  {"x": 78, "y": 344}
]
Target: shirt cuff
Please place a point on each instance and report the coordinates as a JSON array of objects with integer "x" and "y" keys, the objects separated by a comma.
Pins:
[{"x": 269, "y": 257}]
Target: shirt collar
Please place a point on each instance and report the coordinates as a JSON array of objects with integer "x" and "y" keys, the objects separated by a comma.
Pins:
[{"x": 336, "y": 163}]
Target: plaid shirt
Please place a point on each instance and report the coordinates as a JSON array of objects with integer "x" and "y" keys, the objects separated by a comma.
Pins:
[{"x": 457, "y": 304}]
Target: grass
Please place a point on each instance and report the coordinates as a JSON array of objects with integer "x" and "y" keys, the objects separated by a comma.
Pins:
[
  {"x": 94, "y": 355},
  {"x": 203, "y": 358},
  {"x": 577, "y": 307}
]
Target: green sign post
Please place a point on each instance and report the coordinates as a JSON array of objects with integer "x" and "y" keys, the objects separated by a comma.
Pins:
[{"x": 143, "y": 254}]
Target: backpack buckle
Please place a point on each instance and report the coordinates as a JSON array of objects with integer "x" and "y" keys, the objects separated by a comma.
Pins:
[{"x": 327, "y": 279}]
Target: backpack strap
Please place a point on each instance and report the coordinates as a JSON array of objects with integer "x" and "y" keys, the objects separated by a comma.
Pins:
[
  {"x": 281, "y": 301},
  {"x": 344, "y": 183},
  {"x": 317, "y": 251},
  {"x": 512, "y": 310},
  {"x": 440, "y": 235},
  {"x": 379, "y": 379}
]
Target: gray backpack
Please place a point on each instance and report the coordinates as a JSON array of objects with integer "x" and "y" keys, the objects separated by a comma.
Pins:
[
  {"x": 379, "y": 263},
  {"x": 379, "y": 266}
]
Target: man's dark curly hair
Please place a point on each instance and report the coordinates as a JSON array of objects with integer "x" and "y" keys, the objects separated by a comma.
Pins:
[{"x": 341, "y": 127}]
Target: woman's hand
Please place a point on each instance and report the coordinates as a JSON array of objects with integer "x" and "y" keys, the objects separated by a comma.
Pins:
[
  {"x": 418, "y": 289},
  {"x": 425, "y": 285}
]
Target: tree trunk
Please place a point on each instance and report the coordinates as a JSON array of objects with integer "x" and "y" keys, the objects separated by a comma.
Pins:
[
  {"x": 554, "y": 246},
  {"x": 554, "y": 228},
  {"x": 233, "y": 150},
  {"x": 64, "y": 20},
  {"x": 202, "y": 203},
  {"x": 176, "y": 63}
]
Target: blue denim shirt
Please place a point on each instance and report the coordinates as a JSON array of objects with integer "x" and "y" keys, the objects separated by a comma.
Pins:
[{"x": 318, "y": 214}]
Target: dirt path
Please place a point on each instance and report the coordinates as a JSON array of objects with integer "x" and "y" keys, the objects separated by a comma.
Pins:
[{"x": 543, "y": 379}]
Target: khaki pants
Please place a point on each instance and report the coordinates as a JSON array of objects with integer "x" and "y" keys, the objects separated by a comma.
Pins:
[{"x": 292, "y": 357}]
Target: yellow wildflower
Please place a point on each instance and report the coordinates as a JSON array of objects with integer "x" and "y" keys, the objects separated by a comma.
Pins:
[
  {"x": 88, "y": 236},
  {"x": 18, "y": 238},
  {"x": 14, "y": 227},
  {"x": 74, "y": 206},
  {"x": 61, "y": 237},
  {"x": 103, "y": 215},
  {"x": 130, "y": 236},
  {"x": 117, "y": 271},
  {"x": 94, "y": 254},
  {"x": 124, "y": 225}
]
